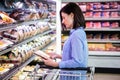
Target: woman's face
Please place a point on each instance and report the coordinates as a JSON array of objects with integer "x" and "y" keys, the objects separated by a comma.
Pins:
[{"x": 67, "y": 20}]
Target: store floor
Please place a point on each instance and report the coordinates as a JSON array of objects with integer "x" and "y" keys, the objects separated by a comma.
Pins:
[{"x": 106, "y": 76}]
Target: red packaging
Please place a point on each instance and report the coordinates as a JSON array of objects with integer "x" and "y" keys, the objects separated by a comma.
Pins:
[
  {"x": 89, "y": 6},
  {"x": 97, "y": 24},
  {"x": 114, "y": 25},
  {"x": 89, "y": 24},
  {"x": 105, "y": 24},
  {"x": 114, "y": 14},
  {"x": 105, "y": 14},
  {"x": 97, "y": 14},
  {"x": 88, "y": 14}
]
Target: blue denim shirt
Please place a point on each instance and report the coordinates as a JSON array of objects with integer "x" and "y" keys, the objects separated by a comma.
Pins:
[{"x": 75, "y": 50}]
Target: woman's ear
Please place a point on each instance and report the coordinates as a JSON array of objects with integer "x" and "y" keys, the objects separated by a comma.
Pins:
[{"x": 72, "y": 15}]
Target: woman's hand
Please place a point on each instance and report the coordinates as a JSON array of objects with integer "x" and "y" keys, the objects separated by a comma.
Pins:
[
  {"x": 50, "y": 62},
  {"x": 54, "y": 55}
]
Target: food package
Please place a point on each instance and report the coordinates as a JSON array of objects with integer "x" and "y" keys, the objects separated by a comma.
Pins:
[
  {"x": 106, "y": 5},
  {"x": 97, "y": 25},
  {"x": 89, "y": 6},
  {"x": 114, "y": 24},
  {"x": 97, "y": 36},
  {"x": 96, "y": 14},
  {"x": 105, "y": 24},
  {"x": 114, "y": 37},
  {"x": 89, "y": 36},
  {"x": 97, "y": 6},
  {"x": 83, "y": 7},
  {"x": 114, "y": 14},
  {"x": 114, "y": 5},
  {"x": 89, "y": 24},
  {"x": 105, "y": 14},
  {"x": 106, "y": 36},
  {"x": 89, "y": 14},
  {"x": 42, "y": 54}
]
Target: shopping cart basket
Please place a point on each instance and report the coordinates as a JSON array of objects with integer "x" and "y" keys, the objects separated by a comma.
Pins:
[{"x": 54, "y": 73}]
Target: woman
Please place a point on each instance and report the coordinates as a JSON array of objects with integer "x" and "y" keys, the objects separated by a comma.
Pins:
[{"x": 75, "y": 49}]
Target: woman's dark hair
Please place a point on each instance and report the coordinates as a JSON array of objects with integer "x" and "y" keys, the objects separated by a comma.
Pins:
[{"x": 79, "y": 20}]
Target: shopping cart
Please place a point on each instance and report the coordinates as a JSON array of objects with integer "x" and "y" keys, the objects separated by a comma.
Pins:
[{"x": 54, "y": 73}]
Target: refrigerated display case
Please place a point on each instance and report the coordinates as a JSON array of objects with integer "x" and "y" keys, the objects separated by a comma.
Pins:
[
  {"x": 26, "y": 34},
  {"x": 102, "y": 29}
]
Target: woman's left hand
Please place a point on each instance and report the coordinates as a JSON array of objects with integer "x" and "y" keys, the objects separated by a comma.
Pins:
[{"x": 50, "y": 62}]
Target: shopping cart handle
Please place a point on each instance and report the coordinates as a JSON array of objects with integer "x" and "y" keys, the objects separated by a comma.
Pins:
[{"x": 77, "y": 68}]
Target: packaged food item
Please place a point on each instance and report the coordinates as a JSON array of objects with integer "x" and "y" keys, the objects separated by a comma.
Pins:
[
  {"x": 89, "y": 6},
  {"x": 114, "y": 24},
  {"x": 97, "y": 36},
  {"x": 42, "y": 54},
  {"x": 97, "y": 6},
  {"x": 105, "y": 5},
  {"x": 97, "y": 14},
  {"x": 114, "y": 14},
  {"x": 96, "y": 24},
  {"x": 105, "y": 14},
  {"x": 114, "y": 36},
  {"x": 89, "y": 14},
  {"x": 105, "y": 24},
  {"x": 106, "y": 36},
  {"x": 114, "y": 5},
  {"x": 89, "y": 24}
]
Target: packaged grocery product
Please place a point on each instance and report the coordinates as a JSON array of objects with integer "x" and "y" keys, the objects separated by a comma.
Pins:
[
  {"x": 89, "y": 24},
  {"x": 96, "y": 24},
  {"x": 42, "y": 54}
]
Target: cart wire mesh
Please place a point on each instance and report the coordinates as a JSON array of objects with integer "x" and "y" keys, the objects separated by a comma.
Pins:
[{"x": 55, "y": 73}]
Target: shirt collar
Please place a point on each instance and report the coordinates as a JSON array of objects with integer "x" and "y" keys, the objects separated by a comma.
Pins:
[{"x": 72, "y": 30}]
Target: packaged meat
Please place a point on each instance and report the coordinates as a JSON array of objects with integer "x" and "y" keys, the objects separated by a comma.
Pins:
[
  {"x": 97, "y": 6},
  {"x": 89, "y": 14},
  {"x": 105, "y": 14},
  {"x": 114, "y": 37},
  {"x": 114, "y": 14},
  {"x": 89, "y": 6},
  {"x": 114, "y": 5},
  {"x": 105, "y": 5},
  {"x": 97, "y": 14},
  {"x": 97, "y": 25},
  {"x": 42, "y": 54},
  {"x": 106, "y": 36},
  {"x": 83, "y": 7},
  {"x": 114, "y": 24},
  {"x": 97, "y": 36},
  {"x": 89, "y": 24},
  {"x": 89, "y": 36},
  {"x": 105, "y": 24}
]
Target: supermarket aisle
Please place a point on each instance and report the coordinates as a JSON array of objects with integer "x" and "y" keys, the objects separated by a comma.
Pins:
[{"x": 106, "y": 76}]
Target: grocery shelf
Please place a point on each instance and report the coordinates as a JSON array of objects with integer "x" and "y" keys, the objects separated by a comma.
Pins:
[
  {"x": 88, "y": 0},
  {"x": 103, "y": 41},
  {"x": 104, "y": 53},
  {"x": 4, "y": 27},
  {"x": 103, "y": 29},
  {"x": 25, "y": 41},
  {"x": 102, "y": 19},
  {"x": 13, "y": 71},
  {"x": 109, "y": 10}
]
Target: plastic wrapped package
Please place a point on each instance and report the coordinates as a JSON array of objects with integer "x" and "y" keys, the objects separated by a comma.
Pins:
[
  {"x": 97, "y": 14},
  {"x": 97, "y": 25},
  {"x": 105, "y": 14},
  {"x": 89, "y": 24}
]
